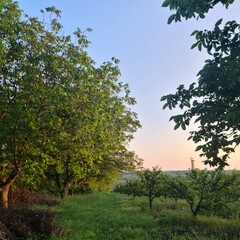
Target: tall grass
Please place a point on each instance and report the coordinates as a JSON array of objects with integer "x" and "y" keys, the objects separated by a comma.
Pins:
[{"x": 101, "y": 216}]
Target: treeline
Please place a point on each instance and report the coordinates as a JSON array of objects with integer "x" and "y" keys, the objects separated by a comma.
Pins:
[
  {"x": 207, "y": 192},
  {"x": 64, "y": 122}
]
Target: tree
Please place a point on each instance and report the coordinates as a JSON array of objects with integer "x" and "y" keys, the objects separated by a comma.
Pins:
[
  {"x": 149, "y": 183},
  {"x": 225, "y": 194},
  {"x": 111, "y": 170},
  {"x": 197, "y": 189},
  {"x": 208, "y": 192},
  {"x": 132, "y": 187},
  {"x": 153, "y": 184},
  {"x": 176, "y": 187},
  {"x": 213, "y": 102},
  {"x": 61, "y": 117},
  {"x": 99, "y": 130}
]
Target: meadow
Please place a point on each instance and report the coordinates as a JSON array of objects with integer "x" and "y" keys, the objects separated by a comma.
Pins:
[{"x": 107, "y": 215}]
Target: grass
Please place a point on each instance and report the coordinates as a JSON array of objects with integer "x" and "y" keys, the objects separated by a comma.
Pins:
[{"x": 101, "y": 216}]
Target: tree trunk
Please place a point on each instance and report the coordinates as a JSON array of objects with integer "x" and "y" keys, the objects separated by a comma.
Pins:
[
  {"x": 66, "y": 189},
  {"x": 5, "y": 189},
  {"x": 150, "y": 203},
  {"x": 4, "y": 196}
]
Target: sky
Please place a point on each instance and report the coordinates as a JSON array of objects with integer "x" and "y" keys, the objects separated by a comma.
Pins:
[{"x": 155, "y": 58}]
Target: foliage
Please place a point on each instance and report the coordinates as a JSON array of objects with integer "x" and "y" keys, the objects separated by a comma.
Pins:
[
  {"x": 110, "y": 173},
  {"x": 192, "y": 9},
  {"x": 105, "y": 180},
  {"x": 212, "y": 102},
  {"x": 208, "y": 192},
  {"x": 131, "y": 187},
  {"x": 153, "y": 183},
  {"x": 62, "y": 118},
  {"x": 225, "y": 195},
  {"x": 197, "y": 189},
  {"x": 175, "y": 187},
  {"x": 150, "y": 183}
]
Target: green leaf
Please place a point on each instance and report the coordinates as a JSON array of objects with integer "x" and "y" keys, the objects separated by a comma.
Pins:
[
  {"x": 183, "y": 126},
  {"x": 171, "y": 18},
  {"x": 201, "y": 15},
  {"x": 177, "y": 126},
  {"x": 200, "y": 46},
  {"x": 166, "y": 3},
  {"x": 166, "y": 105},
  {"x": 194, "y": 45},
  {"x": 198, "y": 148},
  {"x": 194, "y": 33},
  {"x": 218, "y": 22},
  {"x": 187, "y": 104},
  {"x": 163, "y": 98}
]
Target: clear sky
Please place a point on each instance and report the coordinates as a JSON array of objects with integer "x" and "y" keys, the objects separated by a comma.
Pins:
[{"x": 155, "y": 58}]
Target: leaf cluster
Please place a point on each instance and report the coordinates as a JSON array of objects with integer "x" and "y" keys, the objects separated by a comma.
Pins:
[
  {"x": 209, "y": 192},
  {"x": 212, "y": 102},
  {"x": 192, "y": 9},
  {"x": 149, "y": 183}
]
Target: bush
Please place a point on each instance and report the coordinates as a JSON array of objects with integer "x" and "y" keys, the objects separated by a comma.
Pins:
[{"x": 22, "y": 221}]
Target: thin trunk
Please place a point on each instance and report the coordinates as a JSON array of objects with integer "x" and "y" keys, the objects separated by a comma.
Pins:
[
  {"x": 67, "y": 188},
  {"x": 150, "y": 203},
  {"x": 4, "y": 196},
  {"x": 67, "y": 181}
]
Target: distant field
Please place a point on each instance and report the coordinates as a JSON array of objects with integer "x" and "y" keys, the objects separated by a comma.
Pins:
[
  {"x": 130, "y": 175},
  {"x": 102, "y": 216}
]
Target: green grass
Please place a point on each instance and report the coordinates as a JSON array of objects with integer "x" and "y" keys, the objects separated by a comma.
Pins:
[{"x": 102, "y": 216}]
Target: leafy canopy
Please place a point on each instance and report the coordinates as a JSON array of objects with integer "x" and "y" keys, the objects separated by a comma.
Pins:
[
  {"x": 213, "y": 102},
  {"x": 61, "y": 117}
]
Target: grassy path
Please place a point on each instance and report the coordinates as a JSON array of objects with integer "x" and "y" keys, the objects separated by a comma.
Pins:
[
  {"x": 106, "y": 216},
  {"x": 103, "y": 216}
]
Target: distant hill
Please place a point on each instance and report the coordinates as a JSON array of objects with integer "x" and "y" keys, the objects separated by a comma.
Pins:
[{"x": 130, "y": 175}]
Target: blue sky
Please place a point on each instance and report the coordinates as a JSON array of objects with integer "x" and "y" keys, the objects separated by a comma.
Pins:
[{"x": 155, "y": 58}]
